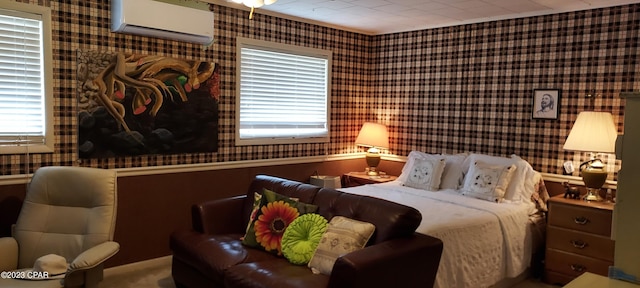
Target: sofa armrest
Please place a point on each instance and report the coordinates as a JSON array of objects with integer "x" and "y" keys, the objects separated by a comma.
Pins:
[
  {"x": 401, "y": 262},
  {"x": 221, "y": 216},
  {"x": 9, "y": 252}
]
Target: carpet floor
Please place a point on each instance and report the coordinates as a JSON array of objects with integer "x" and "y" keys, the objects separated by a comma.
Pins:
[{"x": 156, "y": 273}]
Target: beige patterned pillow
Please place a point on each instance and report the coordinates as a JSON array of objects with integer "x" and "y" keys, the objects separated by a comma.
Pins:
[
  {"x": 343, "y": 236},
  {"x": 488, "y": 182},
  {"x": 425, "y": 174}
]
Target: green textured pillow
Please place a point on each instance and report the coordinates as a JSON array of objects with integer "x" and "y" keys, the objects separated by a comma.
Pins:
[
  {"x": 272, "y": 216},
  {"x": 302, "y": 237}
]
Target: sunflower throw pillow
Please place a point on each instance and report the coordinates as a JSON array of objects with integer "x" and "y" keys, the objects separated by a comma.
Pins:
[{"x": 271, "y": 218}]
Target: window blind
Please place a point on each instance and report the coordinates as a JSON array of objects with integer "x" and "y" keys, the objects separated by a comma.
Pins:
[
  {"x": 282, "y": 95},
  {"x": 22, "y": 118}
]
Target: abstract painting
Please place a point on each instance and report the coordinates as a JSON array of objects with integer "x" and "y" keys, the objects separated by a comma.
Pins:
[{"x": 131, "y": 104}]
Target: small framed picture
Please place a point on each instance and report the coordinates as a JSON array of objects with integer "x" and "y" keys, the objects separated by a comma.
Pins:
[{"x": 546, "y": 104}]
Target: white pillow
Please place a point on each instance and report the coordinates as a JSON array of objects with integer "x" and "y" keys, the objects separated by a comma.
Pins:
[
  {"x": 453, "y": 175},
  {"x": 487, "y": 159},
  {"x": 487, "y": 182},
  {"x": 413, "y": 155},
  {"x": 425, "y": 174},
  {"x": 522, "y": 183},
  {"x": 525, "y": 181}
]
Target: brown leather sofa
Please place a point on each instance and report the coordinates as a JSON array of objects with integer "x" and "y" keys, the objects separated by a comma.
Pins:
[{"x": 212, "y": 255}]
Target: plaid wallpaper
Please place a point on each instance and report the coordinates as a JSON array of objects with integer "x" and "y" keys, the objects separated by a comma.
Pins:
[
  {"x": 453, "y": 89},
  {"x": 470, "y": 88}
]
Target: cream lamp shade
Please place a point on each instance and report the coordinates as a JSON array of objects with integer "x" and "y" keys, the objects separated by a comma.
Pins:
[
  {"x": 375, "y": 136},
  {"x": 593, "y": 132}
]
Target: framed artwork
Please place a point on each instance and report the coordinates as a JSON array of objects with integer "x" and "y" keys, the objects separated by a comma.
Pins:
[
  {"x": 546, "y": 104},
  {"x": 130, "y": 104}
]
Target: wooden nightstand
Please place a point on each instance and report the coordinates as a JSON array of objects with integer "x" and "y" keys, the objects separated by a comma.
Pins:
[
  {"x": 353, "y": 179},
  {"x": 578, "y": 239},
  {"x": 588, "y": 280}
]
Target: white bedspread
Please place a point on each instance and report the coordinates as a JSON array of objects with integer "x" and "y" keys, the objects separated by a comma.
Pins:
[{"x": 484, "y": 242}]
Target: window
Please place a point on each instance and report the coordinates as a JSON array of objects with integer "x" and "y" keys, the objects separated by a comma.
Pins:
[
  {"x": 283, "y": 93},
  {"x": 25, "y": 79}
]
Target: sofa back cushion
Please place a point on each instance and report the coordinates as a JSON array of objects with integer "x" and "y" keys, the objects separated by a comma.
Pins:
[
  {"x": 304, "y": 193},
  {"x": 392, "y": 220}
]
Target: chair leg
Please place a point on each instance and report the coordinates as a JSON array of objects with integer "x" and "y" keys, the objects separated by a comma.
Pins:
[
  {"x": 89, "y": 278},
  {"x": 93, "y": 277}
]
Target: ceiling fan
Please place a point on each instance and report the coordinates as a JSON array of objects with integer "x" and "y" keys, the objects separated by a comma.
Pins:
[{"x": 254, "y": 4}]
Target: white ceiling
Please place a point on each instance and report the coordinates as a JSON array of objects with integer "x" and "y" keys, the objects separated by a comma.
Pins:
[{"x": 389, "y": 16}]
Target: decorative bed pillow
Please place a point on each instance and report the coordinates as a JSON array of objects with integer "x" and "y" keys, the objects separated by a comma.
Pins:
[
  {"x": 523, "y": 181},
  {"x": 425, "y": 174},
  {"x": 343, "y": 236},
  {"x": 487, "y": 182},
  {"x": 413, "y": 155},
  {"x": 407, "y": 169},
  {"x": 302, "y": 237},
  {"x": 272, "y": 217}
]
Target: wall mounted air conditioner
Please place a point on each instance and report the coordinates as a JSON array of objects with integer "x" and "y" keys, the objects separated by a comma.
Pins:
[{"x": 163, "y": 20}]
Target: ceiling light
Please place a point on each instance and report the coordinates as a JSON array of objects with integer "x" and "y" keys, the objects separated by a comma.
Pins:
[{"x": 254, "y": 4}]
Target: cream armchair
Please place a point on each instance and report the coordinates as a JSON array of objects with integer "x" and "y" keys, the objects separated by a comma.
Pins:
[{"x": 68, "y": 211}]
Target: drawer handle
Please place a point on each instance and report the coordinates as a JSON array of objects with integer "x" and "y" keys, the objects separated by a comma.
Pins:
[
  {"x": 581, "y": 220},
  {"x": 579, "y": 244},
  {"x": 577, "y": 268}
]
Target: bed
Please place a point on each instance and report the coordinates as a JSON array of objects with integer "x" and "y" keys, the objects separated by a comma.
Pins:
[{"x": 487, "y": 210}]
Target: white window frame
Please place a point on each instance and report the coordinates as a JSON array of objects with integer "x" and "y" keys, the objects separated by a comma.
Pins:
[
  {"x": 23, "y": 144},
  {"x": 241, "y": 43}
]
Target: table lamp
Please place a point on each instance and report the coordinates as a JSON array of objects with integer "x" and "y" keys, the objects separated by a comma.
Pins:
[
  {"x": 593, "y": 132},
  {"x": 375, "y": 136}
]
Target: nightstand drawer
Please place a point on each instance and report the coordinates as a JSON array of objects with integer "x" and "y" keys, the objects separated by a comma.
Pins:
[
  {"x": 590, "y": 220},
  {"x": 574, "y": 265},
  {"x": 590, "y": 245}
]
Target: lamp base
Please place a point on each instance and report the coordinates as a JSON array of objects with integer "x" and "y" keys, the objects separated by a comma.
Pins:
[
  {"x": 594, "y": 176},
  {"x": 372, "y": 171},
  {"x": 593, "y": 194},
  {"x": 373, "y": 159}
]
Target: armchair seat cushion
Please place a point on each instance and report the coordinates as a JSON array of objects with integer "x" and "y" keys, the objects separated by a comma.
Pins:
[{"x": 275, "y": 273}]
